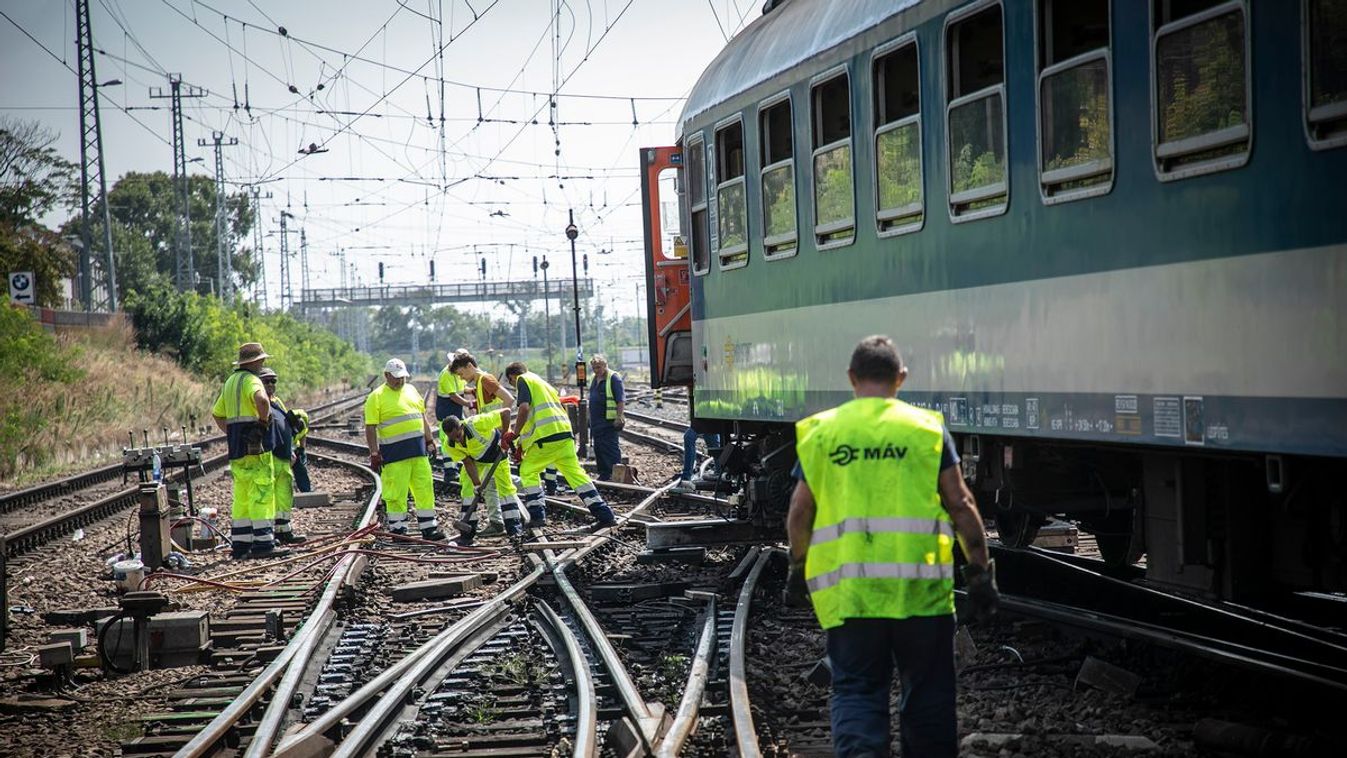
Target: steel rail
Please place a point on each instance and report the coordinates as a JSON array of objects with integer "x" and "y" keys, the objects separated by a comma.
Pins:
[
  {"x": 667, "y": 423},
  {"x": 693, "y": 691},
  {"x": 745, "y": 734},
  {"x": 74, "y": 483},
  {"x": 293, "y": 658},
  {"x": 659, "y": 443},
  {"x": 647, "y": 723},
  {"x": 586, "y": 719}
]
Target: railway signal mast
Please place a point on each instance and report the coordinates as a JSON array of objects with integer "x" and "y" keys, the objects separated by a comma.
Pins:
[
  {"x": 224, "y": 266},
  {"x": 185, "y": 269}
]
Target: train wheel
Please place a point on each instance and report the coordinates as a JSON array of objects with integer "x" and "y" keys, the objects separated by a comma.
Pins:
[
  {"x": 1119, "y": 541},
  {"x": 1018, "y": 528}
]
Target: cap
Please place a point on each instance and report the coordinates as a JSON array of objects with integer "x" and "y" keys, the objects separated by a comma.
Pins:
[
  {"x": 266, "y": 373},
  {"x": 396, "y": 368},
  {"x": 251, "y": 352}
]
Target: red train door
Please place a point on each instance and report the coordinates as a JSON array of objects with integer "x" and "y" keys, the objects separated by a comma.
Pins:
[{"x": 667, "y": 281}]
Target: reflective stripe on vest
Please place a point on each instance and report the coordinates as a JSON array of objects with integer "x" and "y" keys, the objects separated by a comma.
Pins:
[
  {"x": 236, "y": 411},
  {"x": 547, "y": 416},
  {"x": 481, "y": 433},
  {"x": 882, "y": 544},
  {"x": 482, "y": 405},
  {"x": 405, "y": 425}
]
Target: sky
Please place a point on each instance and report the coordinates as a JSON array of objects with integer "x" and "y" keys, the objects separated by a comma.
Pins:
[{"x": 392, "y": 186}]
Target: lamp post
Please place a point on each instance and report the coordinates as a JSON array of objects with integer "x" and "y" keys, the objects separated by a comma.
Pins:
[
  {"x": 547, "y": 315},
  {"x": 571, "y": 233}
]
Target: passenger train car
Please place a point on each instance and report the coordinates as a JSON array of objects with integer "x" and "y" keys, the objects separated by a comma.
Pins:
[{"x": 1109, "y": 238}]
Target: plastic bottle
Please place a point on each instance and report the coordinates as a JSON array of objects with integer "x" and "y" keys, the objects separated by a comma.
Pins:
[{"x": 158, "y": 467}]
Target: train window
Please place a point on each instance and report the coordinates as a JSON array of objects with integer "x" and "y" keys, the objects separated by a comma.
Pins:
[
  {"x": 976, "y": 113},
  {"x": 731, "y": 195},
  {"x": 1201, "y": 87},
  {"x": 778, "y": 177},
  {"x": 1326, "y": 72},
  {"x": 698, "y": 215},
  {"x": 834, "y": 193},
  {"x": 1074, "y": 99},
  {"x": 898, "y": 181}
]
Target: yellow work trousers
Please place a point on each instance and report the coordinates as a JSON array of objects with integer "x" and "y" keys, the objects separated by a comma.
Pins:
[
  {"x": 558, "y": 454},
  {"x": 285, "y": 493},
  {"x": 398, "y": 478},
  {"x": 254, "y": 507},
  {"x": 501, "y": 501}
]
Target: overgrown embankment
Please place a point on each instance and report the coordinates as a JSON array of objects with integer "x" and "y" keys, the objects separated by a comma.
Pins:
[{"x": 68, "y": 400}]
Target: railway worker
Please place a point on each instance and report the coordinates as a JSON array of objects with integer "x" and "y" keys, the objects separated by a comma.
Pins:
[
  {"x": 476, "y": 441},
  {"x": 283, "y": 460},
  {"x": 543, "y": 432},
  {"x": 607, "y": 402},
  {"x": 686, "y": 483},
  {"x": 399, "y": 437},
  {"x": 878, "y": 501},
  {"x": 488, "y": 392},
  {"x": 298, "y": 421},
  {"x": 451, "y": 399},
  {"x": 243, "y": 413}
]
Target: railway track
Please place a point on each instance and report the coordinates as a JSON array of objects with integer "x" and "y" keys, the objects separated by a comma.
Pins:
[{"x": 34, "y": 528}]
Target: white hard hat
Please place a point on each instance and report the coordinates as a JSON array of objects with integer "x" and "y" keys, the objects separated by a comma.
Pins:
[{"x": 396, "y": 368}]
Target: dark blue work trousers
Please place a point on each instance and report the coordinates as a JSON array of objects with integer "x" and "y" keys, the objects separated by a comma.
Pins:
[
  {"x": 690, "y": 450},
  {"x": 301, "y": 470},
  {"x": 606, "y": 451},
  {"x": 863, "y": 653}
]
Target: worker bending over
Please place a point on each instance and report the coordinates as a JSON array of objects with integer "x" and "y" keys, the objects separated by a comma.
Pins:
[
  {"x": 476, "y": 441},
  {"x": 243, "y": 413},
  {"x": 871, "y": 526},
  {"x": 542, "y": 431},
  {"x": 399, "y": 438},
  {"x": 283, "y": 455},
  {"x": 606, "y": 406}
]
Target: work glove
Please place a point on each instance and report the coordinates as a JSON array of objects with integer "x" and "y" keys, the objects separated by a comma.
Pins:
[
  {"x": 516, "y": 454},
  {"x": 619, "y": 422},
  {"x": 983, "y": 596},
  {"x": 796, "y": 594},
  {"x": 376, "y": 461},
  {"x": 508, "y": 437}
]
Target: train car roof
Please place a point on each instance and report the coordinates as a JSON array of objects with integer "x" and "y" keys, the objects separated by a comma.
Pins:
[{"x": 787, "y": 35}]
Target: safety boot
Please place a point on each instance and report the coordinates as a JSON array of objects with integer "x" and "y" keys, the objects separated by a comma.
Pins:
[
  {"x": 492, "y": 530},
  {"x": 290, "y": 538},
  {"x": 433, "y": 534},
  {"x": 268, "y": 552},
  {"x": 537, "y": 516}
]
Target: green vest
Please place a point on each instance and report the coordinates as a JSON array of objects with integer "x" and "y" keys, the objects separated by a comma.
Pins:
[
  {"x": 882, "y": 544},
  {"x": 547, "y": 416},
  {"x": 449, "y": 383},
  {"x": 478, "y": 433},
  {"x": 304, "y": 416},
  {"x": 398, "y": 419}
]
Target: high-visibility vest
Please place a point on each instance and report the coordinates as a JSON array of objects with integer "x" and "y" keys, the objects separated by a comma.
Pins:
[
  {"x": 482, "y": 405},
  {"x": 449, "y": 383},
  {"x": 399, "y": 420},
  {"x": 882, "y": 544},
  {"x": 547, "y": 416},
  {"x": 481, "y": 437},
  {"x": 609, "y": 404},
  {"x": 235, "y": 406}
]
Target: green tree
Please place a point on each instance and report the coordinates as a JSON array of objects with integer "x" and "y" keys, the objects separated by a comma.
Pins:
[{"x": 34, "y": 182}]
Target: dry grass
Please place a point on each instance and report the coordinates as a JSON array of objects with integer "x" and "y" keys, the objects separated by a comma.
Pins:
[{"x": 123, "y": 389}]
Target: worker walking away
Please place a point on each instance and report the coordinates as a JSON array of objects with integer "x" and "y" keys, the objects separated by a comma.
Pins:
[
  {"x": 489, "y": 394},
  {"x": 243, "y": 413},
  {"x": 451, "y": 400},
  {"x": 476, "y": 441},
  {"x": 872, "y": 522},
  {"x": 283, "y": 455},
  {"x": 542, "y": 432},
  {"x": 399, "y": 437},
  {"x": 606, "y": 418}
]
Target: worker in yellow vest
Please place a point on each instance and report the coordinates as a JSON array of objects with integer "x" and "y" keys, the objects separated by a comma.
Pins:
[
  {"x": 607, "y": 403},
  {"x": 542, "y": 432},
  {"x": 399, "y": 437},
  {"x": 489, "y": 394},
  {"x": 451, "y": 399},
  {"x": 476, "y": 441},
  {"x": 284, "y": 440},
  {"x": 243, "y": 413},
  {"x": 872, "y": 524}
]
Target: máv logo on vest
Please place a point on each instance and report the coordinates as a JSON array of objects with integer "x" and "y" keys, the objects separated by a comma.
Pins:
[{"x": 844, "y": 454}]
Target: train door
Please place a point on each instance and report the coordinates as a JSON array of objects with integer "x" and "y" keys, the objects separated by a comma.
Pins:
[{"x": 668, "y": 286}]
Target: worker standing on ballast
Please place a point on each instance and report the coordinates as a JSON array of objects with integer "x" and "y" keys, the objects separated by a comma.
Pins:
[
  {"x": 872, "y": 523},
  {"x": 451, "y": 400},
  {"x": 399, "y": 437},
  {"x": 283, "y": 435},
  {"x": 606, "y": 418},
  {"x": 476, "y": 442},
  {"x": 243, "y": 413},
  {"x": 542, "y": 432}
]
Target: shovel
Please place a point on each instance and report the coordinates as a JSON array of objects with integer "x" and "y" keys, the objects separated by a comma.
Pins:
[{"x": 466, "y": 525}]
